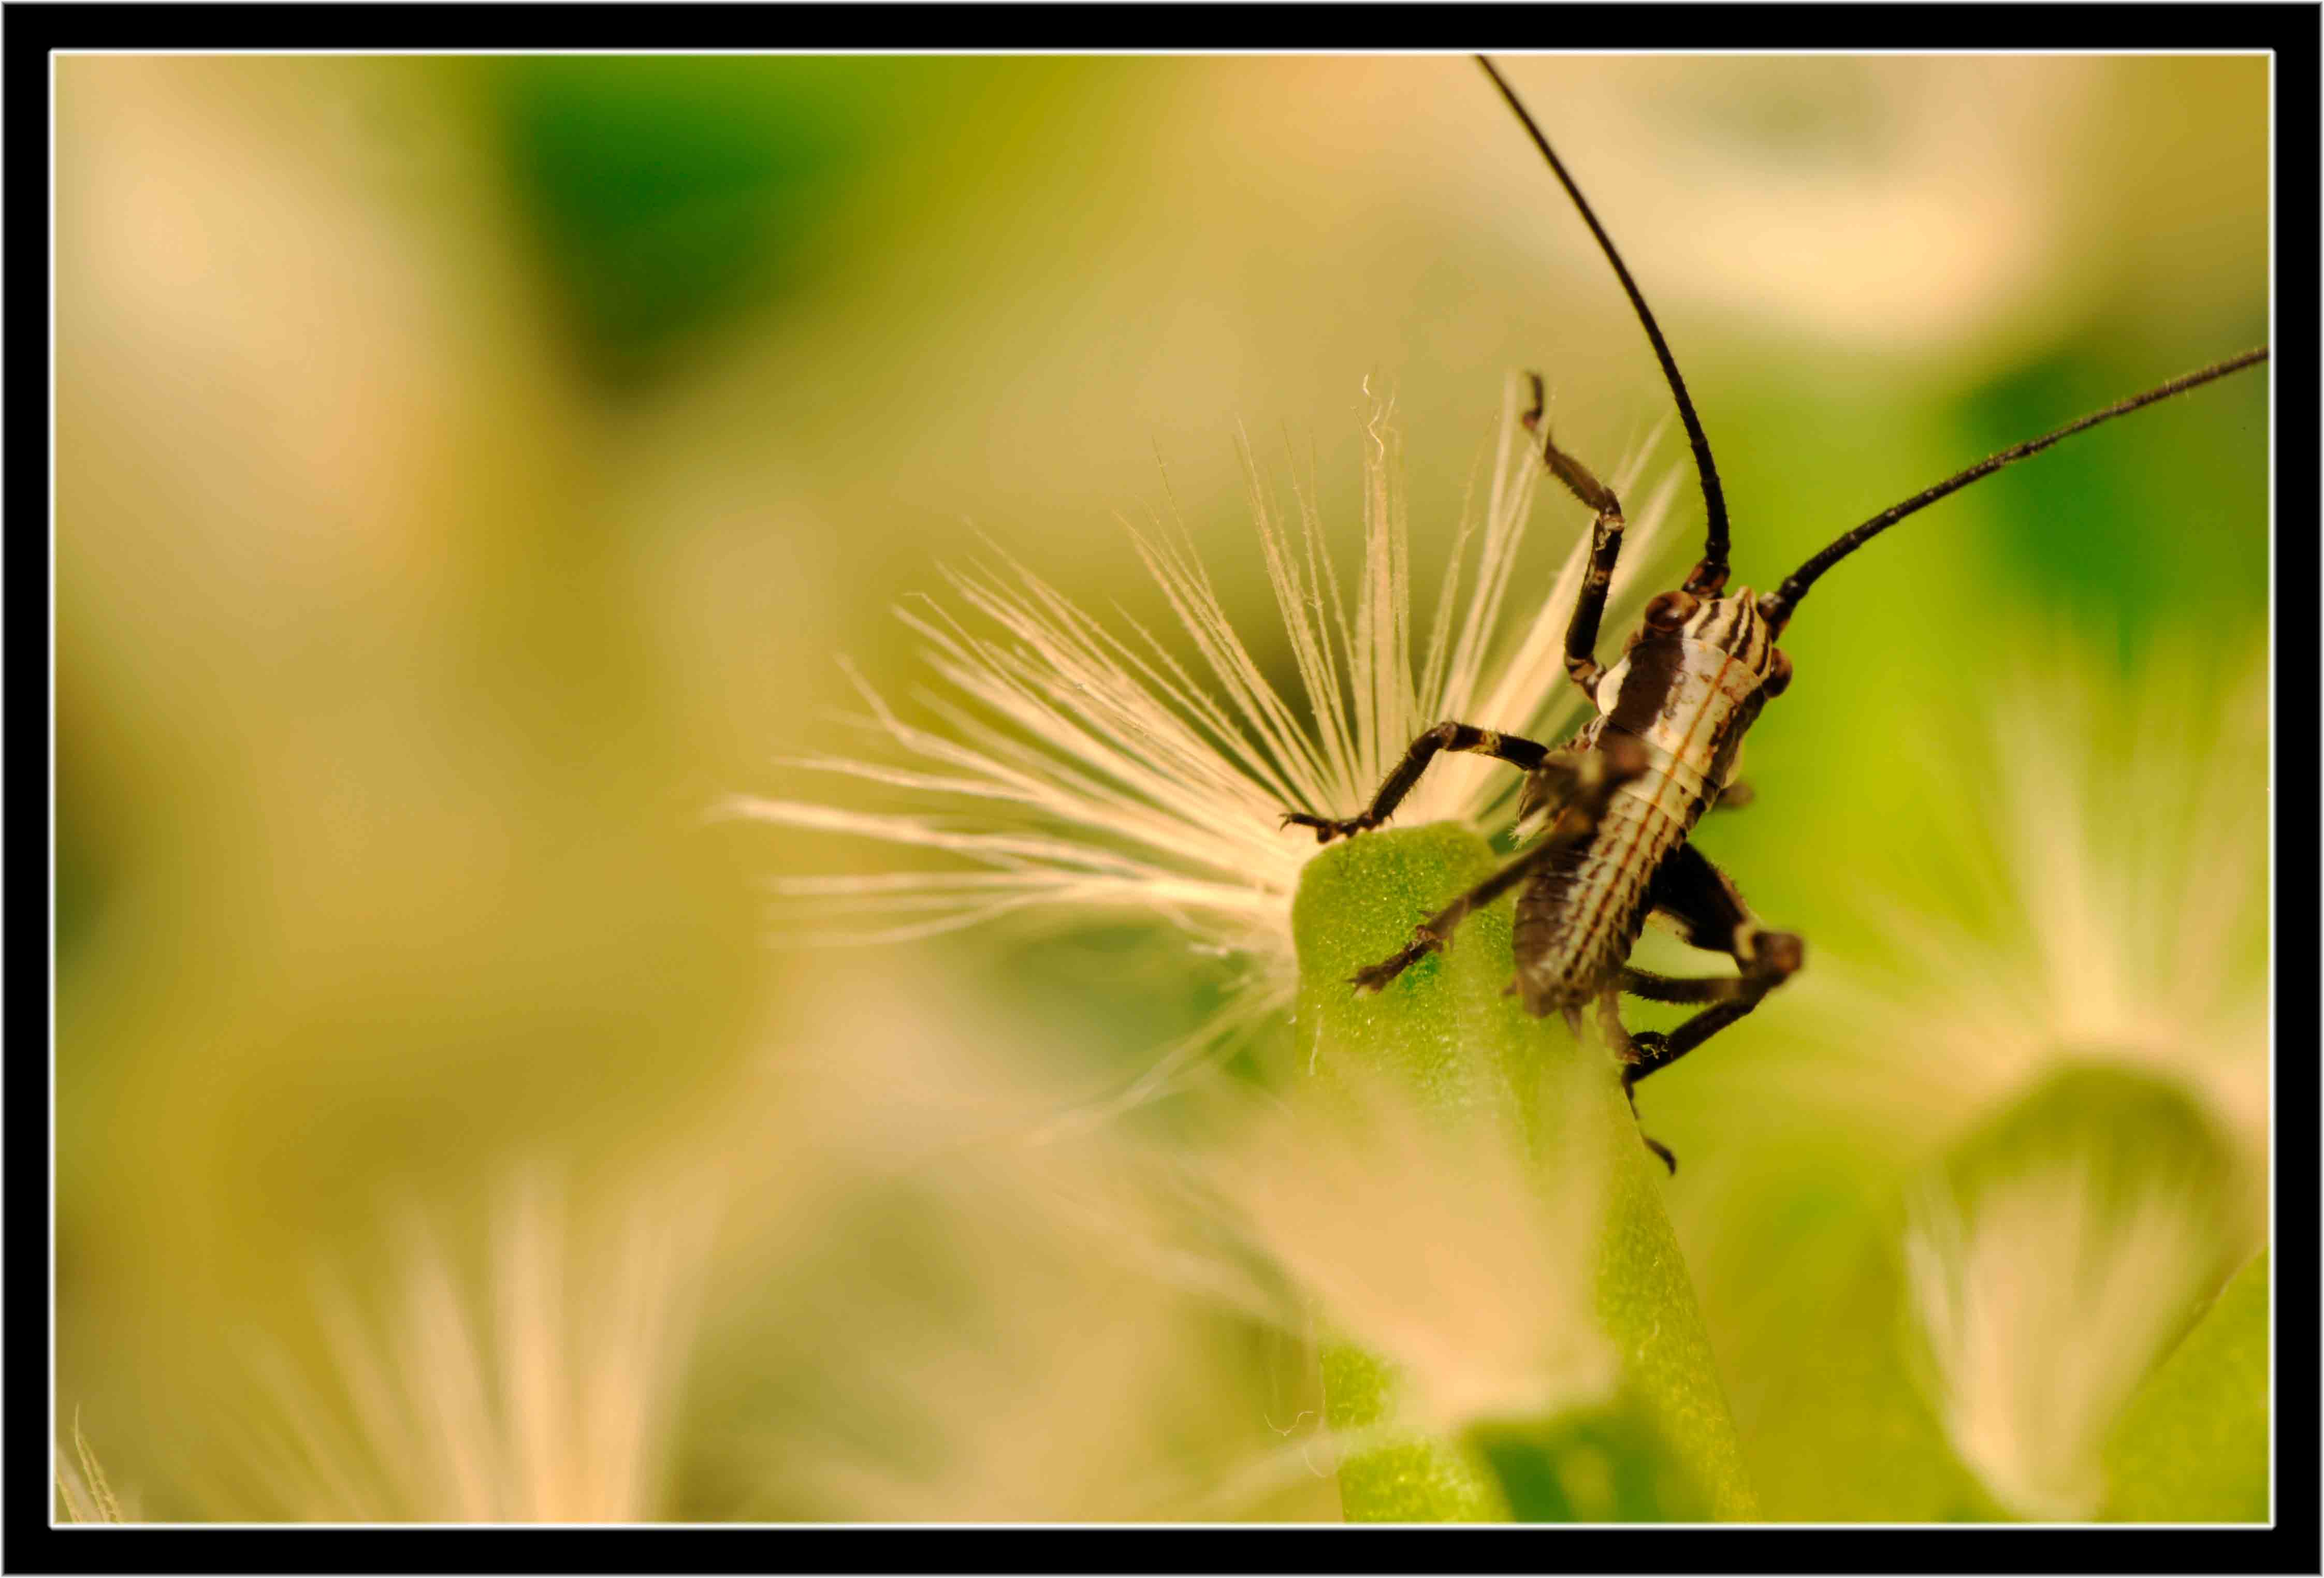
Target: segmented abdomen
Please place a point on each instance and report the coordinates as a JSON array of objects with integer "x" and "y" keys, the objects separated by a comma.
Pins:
[{"x": 1577, "y": 921}]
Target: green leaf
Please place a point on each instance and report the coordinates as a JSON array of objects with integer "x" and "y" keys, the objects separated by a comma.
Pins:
[
  {"x": 2192, "y": 1445},
  {"x": 1445, "y": 1034}
]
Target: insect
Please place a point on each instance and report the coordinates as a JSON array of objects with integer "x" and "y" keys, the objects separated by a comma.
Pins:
[{"x": 1622, "y": 797}]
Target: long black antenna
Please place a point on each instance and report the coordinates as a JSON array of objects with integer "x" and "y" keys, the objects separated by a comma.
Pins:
[
  {"x": 1777, "y": 607},
  {"x": 1711, "y": 573}
]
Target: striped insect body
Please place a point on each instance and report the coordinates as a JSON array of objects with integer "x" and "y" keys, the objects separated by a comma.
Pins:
[
  {"x": 1691, "y": 695},
  {"x": 1617, "y": 802}
]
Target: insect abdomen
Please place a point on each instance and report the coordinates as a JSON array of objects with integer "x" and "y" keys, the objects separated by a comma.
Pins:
[
  {"x": 1578, "y": 921},
  {"x": 1688, "y": 702}
]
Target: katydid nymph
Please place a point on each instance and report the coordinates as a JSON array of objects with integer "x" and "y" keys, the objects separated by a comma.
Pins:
[{"x": 1620, "y": 799}]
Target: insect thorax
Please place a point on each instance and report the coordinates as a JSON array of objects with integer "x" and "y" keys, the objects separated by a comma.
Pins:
[{"x": 1691, "y": 694}]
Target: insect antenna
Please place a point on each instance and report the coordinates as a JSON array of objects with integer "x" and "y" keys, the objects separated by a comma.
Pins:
[
  {"x": 1711, "y": 575},
  {"x": 1777, "y": 607}
]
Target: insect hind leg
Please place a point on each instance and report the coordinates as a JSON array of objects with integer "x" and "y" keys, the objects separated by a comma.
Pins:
[
  {"x": 1712, "y": 915},
  {"x": 1610, "y": 1020}
]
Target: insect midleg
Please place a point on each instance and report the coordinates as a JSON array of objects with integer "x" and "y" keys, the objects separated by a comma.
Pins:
[
  {"x": 1605, "y": 548},
  {"x": 1513, "y": 749},
  {"x": 1707, "y": 906},
  {"x": 1595, "y": 775}
]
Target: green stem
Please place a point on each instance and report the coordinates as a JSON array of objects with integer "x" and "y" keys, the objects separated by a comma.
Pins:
[{"x": 1665, "y": 1445}]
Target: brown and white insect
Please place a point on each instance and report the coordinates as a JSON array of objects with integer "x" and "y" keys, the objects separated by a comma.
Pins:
[{"x": 1621, "y": 796}]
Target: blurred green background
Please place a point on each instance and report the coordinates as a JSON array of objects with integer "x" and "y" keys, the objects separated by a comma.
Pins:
[{"x": 470, "y": 469}]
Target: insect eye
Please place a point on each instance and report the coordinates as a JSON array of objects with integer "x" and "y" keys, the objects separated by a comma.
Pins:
[
  {"x": 1779, "y": 673},
  {"x": 1671, "y": 610}
]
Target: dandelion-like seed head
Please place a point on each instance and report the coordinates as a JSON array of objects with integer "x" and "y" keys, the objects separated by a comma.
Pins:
[
  {"x": 2052, "y": 1266},
  {"x": 2115, "y": 826},
  {"x": 84, "y": 1491},
  {"x": 1442, "y": 1247},
  {"x": 1081, "y": 766},
  {"x": 545, "y": 1395}
]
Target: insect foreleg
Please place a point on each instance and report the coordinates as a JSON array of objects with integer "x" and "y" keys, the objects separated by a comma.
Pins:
[
  {"x": 1605, "y": 548},
  {"x": 1594, "y": 775},
  {"x": 1448, "y": 736}
]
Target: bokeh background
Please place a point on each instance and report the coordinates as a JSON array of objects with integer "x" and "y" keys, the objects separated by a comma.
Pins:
[{"x": 469, "y": 470}]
